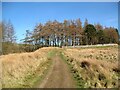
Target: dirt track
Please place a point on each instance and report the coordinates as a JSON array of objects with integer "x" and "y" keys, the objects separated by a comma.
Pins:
[{"x": 58, "y": 76}]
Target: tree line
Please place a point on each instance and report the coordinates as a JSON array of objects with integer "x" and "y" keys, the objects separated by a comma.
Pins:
[
  {"x": 8, "y": 38},
  {"x": 70, "y": 33},
  {"x": 54, "y": 33}
]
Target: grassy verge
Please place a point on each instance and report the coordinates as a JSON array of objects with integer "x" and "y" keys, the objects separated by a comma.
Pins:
[
  {"x": 36, "y": 76},
  {"x": 26, "y": 69},
  {"x": 76, "y": 77},
  {"x": 38, "y": 79}
]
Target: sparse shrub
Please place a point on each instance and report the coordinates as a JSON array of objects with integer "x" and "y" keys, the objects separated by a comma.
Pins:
[
  {"x": 102, "y": 65},
  {"x": 113, "y": 83},
  {"x": 90, "y": 56},
  {"x": 68, "y": 59},
  {"x": 95, "y": 84},
  {"x": 101, "y": 76},
  {"x": 67, "y": 56},
  {"x": 116, "y": 70},
  {"x": 97, "y": 57},
  {"x": 74, "y": 70},
  {"x": 71, "y": 60},
  {"x": 104, "y": 55},
  {"x": 85, "y": 64},
  {"x": 106, "y": 85},
  {"x": 115, "y": 58},
  {"x": 107, "y": 57}
]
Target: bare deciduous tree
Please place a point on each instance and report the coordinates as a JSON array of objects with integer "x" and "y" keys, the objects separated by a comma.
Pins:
[{"x": 71, "y": 33}]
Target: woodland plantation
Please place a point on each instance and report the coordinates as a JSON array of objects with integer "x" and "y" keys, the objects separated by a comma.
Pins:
[{"x": 58, "y": 34}]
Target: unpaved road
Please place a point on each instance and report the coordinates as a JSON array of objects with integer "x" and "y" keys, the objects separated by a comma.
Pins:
[{"x": 58, "y": 76}]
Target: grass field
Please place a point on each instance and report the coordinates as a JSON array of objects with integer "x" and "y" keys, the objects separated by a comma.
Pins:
[
  {"x": 23, "y": 70},
  {"x": 95, "y": 67}
]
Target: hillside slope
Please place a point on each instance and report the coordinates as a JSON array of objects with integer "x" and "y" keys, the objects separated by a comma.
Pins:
[{"x": 20, "y": 70}]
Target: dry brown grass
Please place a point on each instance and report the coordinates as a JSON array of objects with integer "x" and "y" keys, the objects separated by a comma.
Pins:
[
  {"x": 17, "y": 69},
  {"x": 0, "y": 74},
  {"x": 101, "y": 72},
  {"x": 98, "y": 67}
]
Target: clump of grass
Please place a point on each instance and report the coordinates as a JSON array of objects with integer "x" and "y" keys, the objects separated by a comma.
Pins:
[
  {"x": 101, "y": 76},
  {"x": 116, "y": 69},
  {"x": 85, "y": 64},
  {"x": 97, "y": 57}
]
